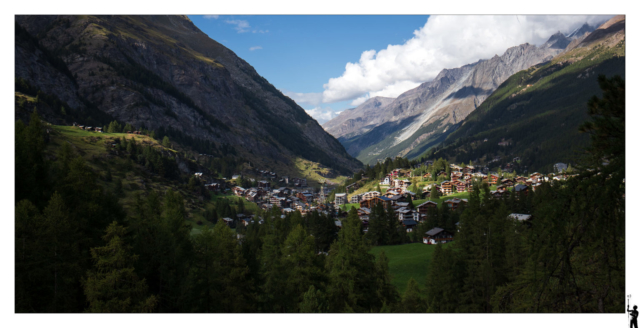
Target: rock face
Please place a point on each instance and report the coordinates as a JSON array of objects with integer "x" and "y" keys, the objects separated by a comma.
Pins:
[
  {"x": 422, "y": 117},
  {"x": 357, "y": 119},
  {"x": 162, "y": 72}
]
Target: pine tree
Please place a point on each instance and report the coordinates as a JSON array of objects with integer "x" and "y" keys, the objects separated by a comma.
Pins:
[
  {"x": 412, "y": 300},
  {"x": 113, "y": 286}
]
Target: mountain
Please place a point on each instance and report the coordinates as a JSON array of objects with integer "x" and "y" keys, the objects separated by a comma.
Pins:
[
  {"x": 422, "y": 117},
  {"x": 537, "y": 111},
  {"x": 357, "y": 119},
  {"x": 164, "y": 74}
]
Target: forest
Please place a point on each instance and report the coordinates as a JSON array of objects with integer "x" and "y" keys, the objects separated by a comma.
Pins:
[{"x": 78, "y": 250}]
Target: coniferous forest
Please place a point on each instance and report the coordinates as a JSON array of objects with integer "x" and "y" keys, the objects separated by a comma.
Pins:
[{"x": 78, "y": 250}]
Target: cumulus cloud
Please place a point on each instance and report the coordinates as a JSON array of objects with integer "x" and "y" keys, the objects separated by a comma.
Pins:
[
  {"x": 446, "y": 41},
  {"x": 241, "y": 26},
  {"x": 322, "y": 115},
  {"x": 211, "y": 16},
  {"x": 313, "y": 99},
  {"x": 255, "y": 48}
]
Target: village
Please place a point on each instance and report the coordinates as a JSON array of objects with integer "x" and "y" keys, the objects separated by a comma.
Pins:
[{"x": 394, "y": 190}]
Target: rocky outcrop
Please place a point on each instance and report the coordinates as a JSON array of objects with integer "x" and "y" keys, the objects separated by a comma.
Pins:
[
  {"x": 163, "y": 72},
  {"x": 357, "y": 119}
]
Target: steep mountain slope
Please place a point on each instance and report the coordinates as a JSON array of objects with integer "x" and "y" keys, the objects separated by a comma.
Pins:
[
  {"x": 423, "y": 117},
  {"x": 163, "y": 73},
  {"x": 539, "y": 110},
  {"x": 357, "y": 119}
]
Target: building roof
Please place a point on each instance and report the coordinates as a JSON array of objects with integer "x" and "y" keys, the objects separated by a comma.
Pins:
[
  {"x": 409, "y": 222},
  {"x": 434, "y": 231},
  {"x": 520, "y": 187},
  {"x": 520, "y": 217}
]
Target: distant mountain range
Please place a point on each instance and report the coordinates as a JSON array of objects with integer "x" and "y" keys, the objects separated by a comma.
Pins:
[
  {"x": 423, "y": 117},
  {"x": 536, "y": 113},
  {"x": 163, "y": 73}
]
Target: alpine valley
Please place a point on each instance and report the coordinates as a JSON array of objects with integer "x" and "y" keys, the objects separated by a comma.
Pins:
[{"x": 511, "y": 91}]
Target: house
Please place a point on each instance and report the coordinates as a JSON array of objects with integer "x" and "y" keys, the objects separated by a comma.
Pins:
[
  {"x": 521, "y": 189},
  {"x": 493, "y": 179},
  {"x": 427, "y": 175},
  {"x": 238, "y": 191},
  {"x": 386, "y": 181},
  {"x": 373, "y": 202},
  {"x": 264, "y": 184},
  {"x": 341, "y": 199},
  {"x": 501, "y": 188},
  {"x": 507, "y": 182},
  {"x": 498, "y": 193},
  {"x": 455, "y": 203},
  {"x": 424, "y": 208},
  {"x": 306, "y": 197},
  {"x": 228, "y": 221},
  {"x": 437, "y": 236},
  {"x": 355, "y": 198},
  {"x": 446, "y": 187},
  {"x": 409, "y": 224}
]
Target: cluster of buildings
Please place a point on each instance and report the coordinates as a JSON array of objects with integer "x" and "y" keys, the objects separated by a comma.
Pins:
[{"x": 286, "y": 199}]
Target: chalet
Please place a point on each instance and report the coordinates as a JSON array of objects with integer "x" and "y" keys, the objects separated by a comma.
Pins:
[
  {"x": 404, "y": 214},
  {"x": 396, "y": 173},
  {"x": 283, "y": 191},
  {"x": 397, "y": 198},
  {"x": 212, "y": 186},
  {"x": 238, "y": 191},
  {"x": 493, "y": 179},
  {"x": 469, "y": 186},
  {"x": 521, "y": 189},
  {"x": 455, "y": 168},
  {"x": 228, "y": 221},
  {"x": 81, "y": 127},
  {"x": 373, "y": 202},
  {"x": 425, "y": 207},
  {"x": 455, "y": 203},
  {"x": 468, "y": 169},
  {"x": 306, "y": 197},
  {"x": 88, "y": 128},
  {"x": 409, "y": 224},
  {"x": 460, "y": 186},
  {"x": 507, "y": 182},
  {"x": 501, "y": 188},
  {"x": 521, "y": 180},
  {"x": 341, "y": 199},
  {"x": 427, "y": 175},
  {"x": 437, "y": 236},
  {"x": 264, "y": 184},
  {"x": 446, "y": 187},
  {"x": 386, "y": 181},
  {"x": 370, "y": 195},
  {"x": 442, "y": 174},
  {"x": 99, "y": 130},
  {"x": 498, "y": 193},
  {"x": 456, "y": 175}
]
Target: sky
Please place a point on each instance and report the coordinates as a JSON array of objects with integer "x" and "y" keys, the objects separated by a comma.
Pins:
[{"x": 329, "y": 63}]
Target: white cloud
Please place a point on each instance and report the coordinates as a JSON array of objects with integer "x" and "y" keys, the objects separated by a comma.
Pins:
[
  {"x": 255, "y": 48},
  {"x": 443, "y": 42},
  {"x": 260, "y": 31},
  {"x": 241, "y": 26},
  {"x": 211, "y": 16},
  {"x": 313, "y": 99},
  {"x": 322, "y": 115}
]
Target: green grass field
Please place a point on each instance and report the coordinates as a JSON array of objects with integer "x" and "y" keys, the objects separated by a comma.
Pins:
[{"x": 407, "y": 261}]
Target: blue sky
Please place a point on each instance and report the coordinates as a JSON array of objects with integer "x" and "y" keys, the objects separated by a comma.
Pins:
[
  {"x": 301, "y": 53},
  {"x": 333, "y": 62}
]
